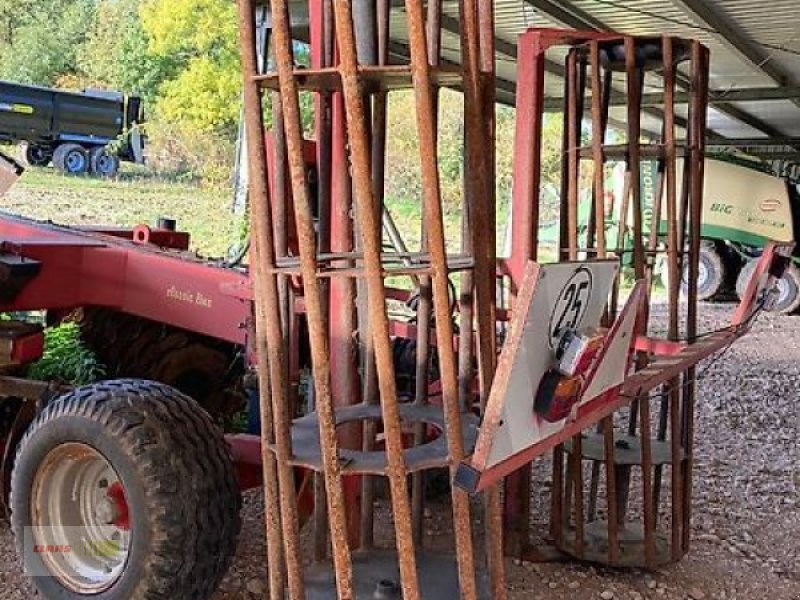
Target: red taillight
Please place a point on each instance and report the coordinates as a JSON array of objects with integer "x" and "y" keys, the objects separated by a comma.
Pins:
[{"x": 556, "y": 396}]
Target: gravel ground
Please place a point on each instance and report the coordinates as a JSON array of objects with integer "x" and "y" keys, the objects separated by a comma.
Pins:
[{"x": 747, "y": 495}]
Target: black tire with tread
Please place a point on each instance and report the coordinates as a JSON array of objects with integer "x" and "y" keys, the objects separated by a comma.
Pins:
[
  {"x": 60, "y": 158},
  {"x": 177, "y": 473},
  {"x": 98, "y": 154},
  {"x": 716, "y": 270},
  {"x": 38, "y": 156}
]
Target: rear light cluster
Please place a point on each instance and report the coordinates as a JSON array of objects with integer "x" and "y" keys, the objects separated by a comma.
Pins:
[{"x": 560, "y": 389}]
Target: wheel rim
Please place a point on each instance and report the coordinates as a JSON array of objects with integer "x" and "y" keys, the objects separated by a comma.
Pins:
[
  {"x": 702, "y": 274},
  {"x": 786, "y": 290},
  {"x": 104, "y": 164},
  {"x": 79, "y": 504},
  {"x": 37, "y": 155},
  {"x": 75, "y": 162}
]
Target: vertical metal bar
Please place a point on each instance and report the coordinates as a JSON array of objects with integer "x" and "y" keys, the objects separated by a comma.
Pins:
[
  {"x": 479, "y": 188},
  {"x": 271, "y": 359},
  {"x": 378, "y": 176},
  {"x": 576, "y": 467},
  {"x": 556, "y": 496},
  {"x": 647, "y": 483},
  {"x": 494, "y": 502},
  {"x": 633, "y": 89},
  {"x": 444, "y": 329},
  {"x": 611, "y": 491},
  {"x": 673, "y": 250},
  {"x": 696, "y": 163},
  {"x": 575, "y": 118},
  {"x": 566, "y": 137},
  {"x": 379, "y": 322},
  {"x": 527, "y": 154},
  {"x": 598, "y": 135},
  {"x": 314, "y": 310},
  {"x": 422, "y": 366}
]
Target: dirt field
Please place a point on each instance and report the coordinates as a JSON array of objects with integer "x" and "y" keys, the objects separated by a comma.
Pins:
[{"x": 747, "y": 484}]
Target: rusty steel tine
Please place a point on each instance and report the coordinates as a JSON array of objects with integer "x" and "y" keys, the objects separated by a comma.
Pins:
[
  {"x": 672, "y": 294},
  {"x": 577, "y": 477},
  {"x": 556, "y": 495},
  {"x": 279, "y": 204},
  {"x": 467, "y": 300},
  {"x": 661, "y": 436},
  {"x": 486, "y": 294},
  {"x": 573, "y": 163},
  {"x": 271, "y": 359},
  {"x": 379, "y": 322},
  {"x": 611, "y": 491},
  {"x": 480, "y": 158},
  {"x": 698, "y": 116},
  {"x": 423, "y": 313},
  {"x": 569, "y": 481},
  {"x": 623, "y": 224},
  {"x": 594, "y": 491},
  {"x": 633, "y": 90},
  {"x": 433, "y": 26},
  {"x": 320, "y": 519},
  {"x": 323, "y": 110},
  {"x": 314, "y": 310},
  {"x": 597, "y": 150},
  {"x": 647, "y": 482},
  {"x": 566, "y": 127},
  {"x": 379, "y": 124},
  {"x": 444, "y": 328}
]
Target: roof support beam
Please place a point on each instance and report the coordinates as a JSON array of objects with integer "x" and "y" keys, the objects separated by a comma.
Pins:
[
  {"x": 760, "y": 142},
  {"x": 567, "y": 14},
  {"x": 719, "y": 97},
  {"x": 727, "y": 32},
  {"x": 580, "y": 20}
]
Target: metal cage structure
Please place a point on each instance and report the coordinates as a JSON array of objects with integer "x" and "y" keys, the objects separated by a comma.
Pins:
[
  {"x": 654, "y": 432},
  {"x": 359, "y": 430},
  {"x": 621, "y": 487}
]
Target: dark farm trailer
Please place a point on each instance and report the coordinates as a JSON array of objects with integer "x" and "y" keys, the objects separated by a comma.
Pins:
[{"x": 74, "y": 130}]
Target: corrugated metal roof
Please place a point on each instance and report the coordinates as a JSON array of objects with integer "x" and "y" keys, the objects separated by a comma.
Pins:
[
  {"x": 755, "y": 56},
  {"x": 755, "y": 52}
]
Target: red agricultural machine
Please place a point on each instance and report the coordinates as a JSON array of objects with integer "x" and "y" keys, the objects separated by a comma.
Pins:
[{"x": 467, "y": 364}]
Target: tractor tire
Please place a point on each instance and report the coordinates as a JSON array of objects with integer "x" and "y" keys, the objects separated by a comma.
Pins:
[
  {"x": 71, "y": 159},
  {"x": 203, "y": 368},
  {"x": 124, "y": 490},
  {"x": 38, "y": 156},
  {"x": 788, "y": 297},
  {"x": 103, "y": 163}
]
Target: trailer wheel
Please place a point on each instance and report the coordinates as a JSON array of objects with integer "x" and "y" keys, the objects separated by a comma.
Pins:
[
  {"x": 711, "y": 276},
  {"x": 788, "y": 300},
  {"x": 72, "y": 159},
  {"x": 38, "y": 156},
  {"x": 124, "y": 489},
  {"x": 103, "y": 163}
]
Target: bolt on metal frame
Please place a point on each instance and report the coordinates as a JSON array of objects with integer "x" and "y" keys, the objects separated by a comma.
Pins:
[{"x": 342, "y": 264}]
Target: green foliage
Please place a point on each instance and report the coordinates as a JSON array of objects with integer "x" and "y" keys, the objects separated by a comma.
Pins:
[
  {"x": 116, "y": 53},
  {"x": 205, "y": 96},
  {"x": 197, "y": 41},
  {"x": 40, "y": 42},
  {"x": 66, "y": 358}
]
